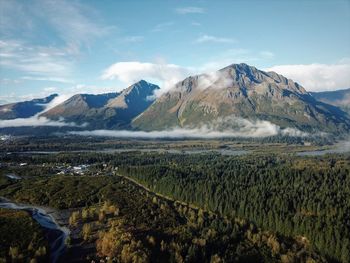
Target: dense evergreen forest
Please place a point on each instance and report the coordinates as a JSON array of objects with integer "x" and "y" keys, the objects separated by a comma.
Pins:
[
  {"x": 309, "y": 197},
  {"x": 303, "y": 197}
]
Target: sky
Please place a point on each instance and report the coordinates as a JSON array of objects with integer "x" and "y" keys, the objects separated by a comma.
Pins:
[{"x": 70, "y": 47}]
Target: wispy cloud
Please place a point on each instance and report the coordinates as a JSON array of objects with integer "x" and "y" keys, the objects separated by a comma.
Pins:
[
  {"x": 190, "y": 10},
  {"x": 133, "y": 39},
  {"x": 8, "y": 81},
  {"x": 214, "y": 39},
  {"x": 196, "y": 24},
  {"x": 53, "y": 79},
  {"x": 162, "y": 26},
  {"x": 37, "y": 60},
  {"x": 267, "y": 54},
  {"x": 74, "y": 23},
  {"x": 70, "y": 27},
  {"x": 317, "y": 77}
]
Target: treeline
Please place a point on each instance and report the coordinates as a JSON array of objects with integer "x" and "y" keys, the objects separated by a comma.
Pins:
[{"x": 290, "y": 195}]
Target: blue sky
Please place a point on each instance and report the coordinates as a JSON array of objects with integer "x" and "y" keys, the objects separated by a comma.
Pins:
[{"x": 100, "y": 46}]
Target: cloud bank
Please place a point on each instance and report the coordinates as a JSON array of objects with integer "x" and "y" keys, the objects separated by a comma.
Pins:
[
  {"x": 241, "y": 128},
  {"x": 34, "y": 121},
  {"x": 317, "y": 77}
]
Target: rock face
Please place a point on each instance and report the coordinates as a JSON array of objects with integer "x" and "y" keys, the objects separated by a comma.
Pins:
[
  {"x": 339, "y": 98},
  {"x": 111, "y": 110},
  {"x": 242, "y": 91},
  {"x": 24, "y": 109}
]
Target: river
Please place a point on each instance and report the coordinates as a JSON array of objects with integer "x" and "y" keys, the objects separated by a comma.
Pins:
[
  {"x": 338, "y": 148},
  {"x": 232, "y": 152},
  {"x": 55, "y": 234}
]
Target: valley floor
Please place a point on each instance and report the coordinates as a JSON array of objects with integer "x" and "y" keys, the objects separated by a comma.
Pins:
[{"x": 170, "y": 206}]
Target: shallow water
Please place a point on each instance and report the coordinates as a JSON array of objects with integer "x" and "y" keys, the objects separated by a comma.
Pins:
[
  {"x": 340, "y": 147},
  {"x": 56, "y": 234},
  {"x": 231, "y": 152}
]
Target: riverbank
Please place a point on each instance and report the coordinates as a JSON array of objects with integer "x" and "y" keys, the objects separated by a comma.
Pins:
[{"x": 53, "y": 222}]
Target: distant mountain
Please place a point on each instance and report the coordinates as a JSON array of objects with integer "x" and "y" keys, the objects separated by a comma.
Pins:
[
  {"x": 112, "y": 110},
  {"x": 242, "y": 91},
  {"x": 24, "y": 109},
  {"x": 339, "y": 98}
]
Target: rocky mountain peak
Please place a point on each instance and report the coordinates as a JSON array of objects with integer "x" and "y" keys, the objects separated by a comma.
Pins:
[
  {"x": 138, "y": 91},
  {"x": 243, "y": 91}
]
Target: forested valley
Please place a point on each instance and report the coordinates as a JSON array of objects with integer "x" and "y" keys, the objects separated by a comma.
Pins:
[{"x": 194, "y": 208}]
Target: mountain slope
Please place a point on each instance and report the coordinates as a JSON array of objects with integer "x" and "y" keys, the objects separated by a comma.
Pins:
[
  {"x": 24, "y": 109},
  {"x": 242, "y": 91},
  {"x": 112, "y": 110},
  {"x": 339, "y": 98},
  {"x": 78, "y": 106}
]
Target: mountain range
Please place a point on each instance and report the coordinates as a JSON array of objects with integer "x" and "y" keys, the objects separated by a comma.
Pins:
[
  {"x": 24, "y": 109},
  {"x": 111, "y": 110},
  {"x": 211, "y": 100}
]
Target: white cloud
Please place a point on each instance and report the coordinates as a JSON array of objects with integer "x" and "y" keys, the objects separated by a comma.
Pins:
[
  {"x": 133, "y": 39},
  {"x": 214, "y": 79},
  {"x": 34, "y": 122},
  {"x": 196, "y": 24},
  {"x": 48, "y": 62},
  {"x": 294, "y": 132},
  {"x": 8, "y": 81},
  {"x": 61, "y": 80},
  {"x": 56, "y": 101},
  {"x": 162, "y": 26},
  {"x": 317, "y": 77},
  {"x": 244, "y": 128},
  {"x": 74, "y": 25},
  {"x": 50, "y": 89},
  {"x": 214, "y": 39},
  {"x": 165, "y": 75},
  {"x": 73, "y": 22},
  {"x": 13, "y": 17},
  {"x": 190, "y": 10}
]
